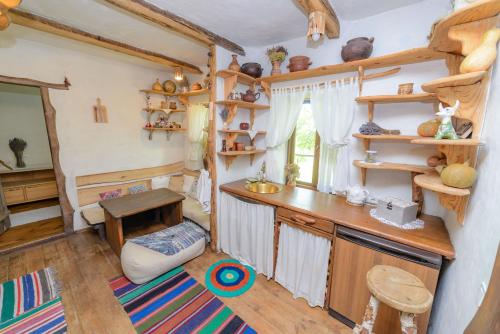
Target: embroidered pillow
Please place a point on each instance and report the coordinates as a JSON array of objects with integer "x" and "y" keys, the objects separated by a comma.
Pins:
[
  {"x": 160, "y": 182},
  {"x": 140, "y": 188},
  {"x": 110, "y": 194}
]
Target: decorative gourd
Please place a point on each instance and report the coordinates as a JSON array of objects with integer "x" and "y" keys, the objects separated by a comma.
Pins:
[
  {"x": 458, "y": 175},
  {"x": 157, "y": 86},
  {"x": 429, "y": 128},
  {"x": 484, "y": 55}
]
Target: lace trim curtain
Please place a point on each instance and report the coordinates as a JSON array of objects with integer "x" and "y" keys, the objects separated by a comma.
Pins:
[
  {"x": 333, "y": 106},
  {"x": 197, "y": 119},
  {"x": 286, "y": 104}
]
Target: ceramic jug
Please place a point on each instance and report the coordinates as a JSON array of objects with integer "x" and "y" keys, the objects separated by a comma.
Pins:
[
  {"x": 356, "y": 195},
  {"x": 484, "y": 55}
]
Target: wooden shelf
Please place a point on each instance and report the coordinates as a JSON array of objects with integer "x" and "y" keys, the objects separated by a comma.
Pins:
[
  {"x": 243, "y": 104},
  {"x": 167, "y": 110},
  {"x": 449, "y": 142},
  {"x": 419, "y": 97},
  {"x": 433, "y": 182},
  {"x": 194, "y": 92},
  {"x": 241, "y": 78},
  {"x": 461, "y": 31},
  {"x": 454, "y": 81},
  {"x": 410, "y": 56},
  {"x": 386, "y": 137},
  {"x": 168, "y": 131},
  {"x": 241, "y": 132},
  {"x": 393, "y": 166},
  {"x": 231, "y": 155},
  {"x": 236, "y": 153},
  {"x": 157, "y": 92}
]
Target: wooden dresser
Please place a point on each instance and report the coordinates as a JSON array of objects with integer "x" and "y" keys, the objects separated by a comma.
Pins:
[
  {"x": 327, "y": 216},
  {"x": 22, "y": 186}
]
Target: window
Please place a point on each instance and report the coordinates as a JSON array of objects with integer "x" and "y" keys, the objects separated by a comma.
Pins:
[{"x": 303, "y": 148}]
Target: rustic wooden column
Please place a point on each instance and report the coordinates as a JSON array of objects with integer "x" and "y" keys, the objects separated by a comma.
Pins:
[
  {"x": 211, "y": 156},
  {"x": 50, "y": 122}
]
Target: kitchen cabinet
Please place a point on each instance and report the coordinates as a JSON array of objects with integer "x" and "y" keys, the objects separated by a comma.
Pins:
[{"x": 28, "y": 186}]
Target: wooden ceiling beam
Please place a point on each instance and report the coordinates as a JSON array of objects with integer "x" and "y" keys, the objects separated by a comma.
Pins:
[
  {"x": 332, "y": 26},
  {"x": 43, "y": 24},
  {"x": 174, "y": 22}
]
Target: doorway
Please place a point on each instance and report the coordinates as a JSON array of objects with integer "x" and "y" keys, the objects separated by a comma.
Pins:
[{"x": 34, "y": 206}]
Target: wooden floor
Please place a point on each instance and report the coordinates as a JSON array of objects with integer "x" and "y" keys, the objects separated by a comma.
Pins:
[
  {"x": 85, "y": 264},
  {"x": 22, "y": 235}
]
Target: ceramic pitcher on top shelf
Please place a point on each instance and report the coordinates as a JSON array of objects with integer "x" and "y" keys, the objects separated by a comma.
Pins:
[{"x": 357, "y": 195}]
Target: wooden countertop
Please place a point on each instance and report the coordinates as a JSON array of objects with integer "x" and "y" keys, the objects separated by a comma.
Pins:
[{"x": 433, "y": 237}]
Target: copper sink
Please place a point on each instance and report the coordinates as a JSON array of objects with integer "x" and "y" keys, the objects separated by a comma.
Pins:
[{"x": 263, "y": 187}]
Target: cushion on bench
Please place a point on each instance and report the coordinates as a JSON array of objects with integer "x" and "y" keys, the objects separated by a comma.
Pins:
[
  {"x": 93, "y": 216},
  {"x": 192, "y": 209}
]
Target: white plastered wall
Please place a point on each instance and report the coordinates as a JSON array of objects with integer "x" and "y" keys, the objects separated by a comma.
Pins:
[
  {"x": 459, "y": 292},
  {"x": 87, "y": 147}
]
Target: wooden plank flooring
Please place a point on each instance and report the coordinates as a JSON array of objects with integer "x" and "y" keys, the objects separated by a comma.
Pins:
[
  {"x": 85, "y": 264},
  {"x": 22, "y": 235}
]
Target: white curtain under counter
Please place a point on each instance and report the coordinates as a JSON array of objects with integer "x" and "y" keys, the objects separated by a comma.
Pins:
[{"x": 246, "y": 232}]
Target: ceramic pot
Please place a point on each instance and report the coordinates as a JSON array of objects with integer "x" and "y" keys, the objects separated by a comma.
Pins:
[
  {"x": 250, "y": 96},
  {"x": 299, "y": 63},
  {"x": 357, "y": 48},
  {"x": 276, "y": 67},
  {"x": 234, "y": 66},
  {"x": 196, "y": 86},
  {"x": 356, "y": 195},
  {"x": 240, "y": 146},
  {"x": 252, "y": 69},
  {"x": 173, "y": 105},
  {"x": 244, "y": 126}
]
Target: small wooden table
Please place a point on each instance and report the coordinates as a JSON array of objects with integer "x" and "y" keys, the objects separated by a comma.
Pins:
[{"x": 169, "y": 203}]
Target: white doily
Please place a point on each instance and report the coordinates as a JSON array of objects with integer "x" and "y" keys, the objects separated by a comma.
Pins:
[{"x": 414, "y": 225}]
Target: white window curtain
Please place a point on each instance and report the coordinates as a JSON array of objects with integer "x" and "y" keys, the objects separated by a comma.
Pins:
[
  {"x": 246, "y": 232},
  {"x": 302, "y": 264},
  {"x": 197, "y": 119},
  {"x": 333, "y": 105},
  {"x": 286, "y": 104}
]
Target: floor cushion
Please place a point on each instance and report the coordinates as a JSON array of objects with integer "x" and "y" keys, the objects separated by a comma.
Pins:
[
  {"x": 142, "y": 262},
  {"x": 192, "y": 209}
]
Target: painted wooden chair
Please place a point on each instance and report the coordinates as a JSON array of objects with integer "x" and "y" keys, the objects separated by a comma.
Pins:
[{"x": 398, "y": 289}]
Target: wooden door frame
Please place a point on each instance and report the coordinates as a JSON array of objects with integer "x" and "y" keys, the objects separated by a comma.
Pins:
[{"x": 50, "y": 122}]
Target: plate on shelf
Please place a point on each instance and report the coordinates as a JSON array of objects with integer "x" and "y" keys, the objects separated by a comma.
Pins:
[{"x": 169, "y": 86}]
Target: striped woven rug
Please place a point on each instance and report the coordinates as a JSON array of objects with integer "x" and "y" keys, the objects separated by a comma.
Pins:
[
  {"x": 176, "y": 303},
  {"x": 46, "y": 319}
]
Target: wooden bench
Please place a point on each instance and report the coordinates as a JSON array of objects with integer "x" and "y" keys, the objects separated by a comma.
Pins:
[{"x": 90, "y": 186}]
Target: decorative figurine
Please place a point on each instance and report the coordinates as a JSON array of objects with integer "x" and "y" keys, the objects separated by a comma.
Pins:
[
  {"x": 292, "y": 172},
  {"x": 446, "y": 130}
]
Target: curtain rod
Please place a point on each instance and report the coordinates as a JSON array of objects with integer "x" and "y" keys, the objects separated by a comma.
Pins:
[{"x": 320, "y": 84}]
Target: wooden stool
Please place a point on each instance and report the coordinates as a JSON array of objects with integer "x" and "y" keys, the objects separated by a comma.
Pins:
[{"x": 398, "y": 289}]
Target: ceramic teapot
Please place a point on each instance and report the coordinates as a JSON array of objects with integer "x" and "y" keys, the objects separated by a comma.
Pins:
[
  {"x": 250, "y": 96},
  {"x": 356, "y": 195}
]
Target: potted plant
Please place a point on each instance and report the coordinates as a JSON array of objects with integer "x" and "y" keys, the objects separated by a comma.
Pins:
[
  {"x": 292, "y": 172},
  {"x": 277, "y": 55}
]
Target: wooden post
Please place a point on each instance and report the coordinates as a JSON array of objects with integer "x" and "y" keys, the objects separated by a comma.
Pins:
[
  {"x": 50, "y": 122},
  {"x": 212, "y": 154}
]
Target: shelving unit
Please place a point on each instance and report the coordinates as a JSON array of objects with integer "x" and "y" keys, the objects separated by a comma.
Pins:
[
  {"x": 231, "y": 79},
  {"x": 183, "y": 98},
  {"x": 454, "y": 81}
]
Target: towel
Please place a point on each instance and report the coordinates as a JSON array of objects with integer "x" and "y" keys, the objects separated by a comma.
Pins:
[{"x": 204, "y": 192}]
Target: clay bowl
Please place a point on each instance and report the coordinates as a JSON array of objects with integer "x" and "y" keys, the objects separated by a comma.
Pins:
[
  {"x": 244, "y": 126},
  {"x": 299, "y": 63},
  {"x": 252, "y": 69}
]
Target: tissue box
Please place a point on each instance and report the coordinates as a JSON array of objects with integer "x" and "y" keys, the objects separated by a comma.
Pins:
[{"x": 397, "y": 210}]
